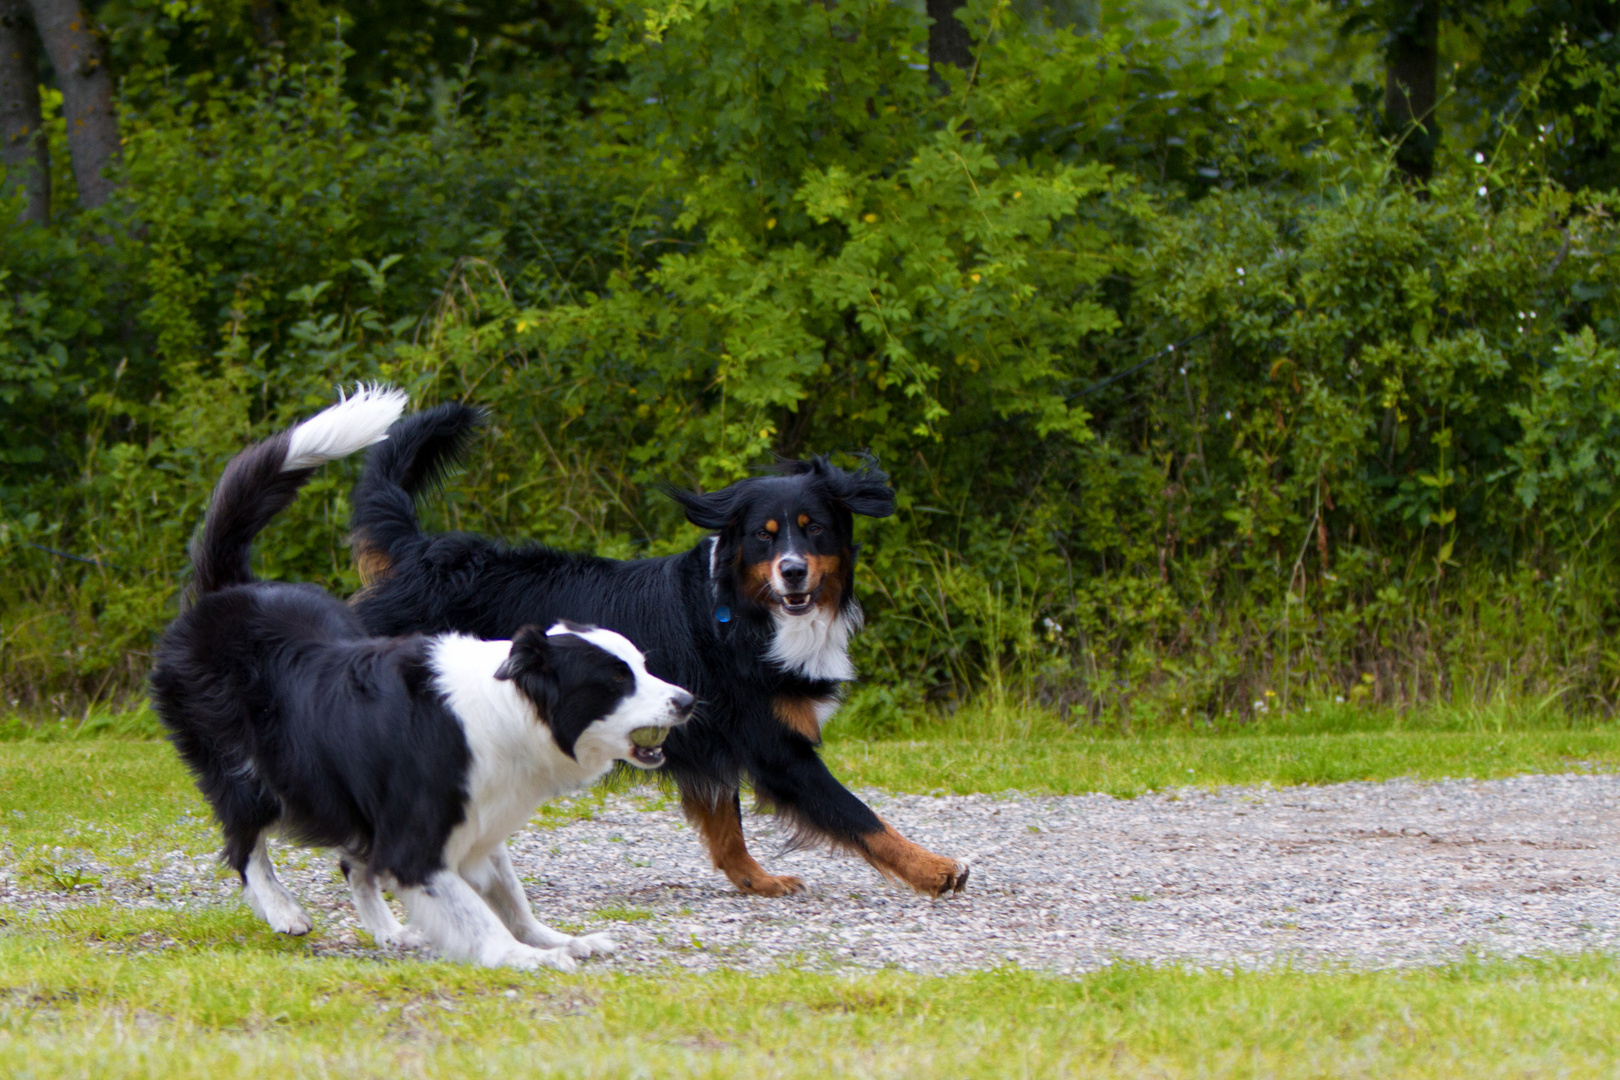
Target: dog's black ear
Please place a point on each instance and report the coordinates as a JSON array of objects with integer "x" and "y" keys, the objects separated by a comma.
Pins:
[
  {"x": 717, "y": 510},
  {"x": 865, "y": 491},
  {"x": 529, "y": 667},
  {"x": 786, "y": 466},
  {"x": 530, "y": 652}
]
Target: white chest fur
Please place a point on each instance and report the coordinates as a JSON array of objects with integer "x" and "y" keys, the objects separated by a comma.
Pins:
[
  {"x": 815, "y": 645},
  {"x": 516, "y": 764}
]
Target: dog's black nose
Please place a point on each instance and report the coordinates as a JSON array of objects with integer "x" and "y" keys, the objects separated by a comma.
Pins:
[
  {"x": 793, "y": 569},
  {"x": 681, "y": 702}
]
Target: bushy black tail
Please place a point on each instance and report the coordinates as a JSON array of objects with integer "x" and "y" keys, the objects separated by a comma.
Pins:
[
  {"x": 417, "y": 452},
  {"x": 262, "y": 480}
]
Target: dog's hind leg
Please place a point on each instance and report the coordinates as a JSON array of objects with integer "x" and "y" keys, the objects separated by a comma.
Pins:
[
  {"x": 245, "y": 812},
  {"x": 459, "y": 925},
  {"x": 796, "y": 781},
  {"x": 497, "y": 882},
  {"x": 373, "y": 911},
  {"x": 268, "y": 897},
  {"x": 893, "y": 856},
  {"x": 719, "y": 822}
]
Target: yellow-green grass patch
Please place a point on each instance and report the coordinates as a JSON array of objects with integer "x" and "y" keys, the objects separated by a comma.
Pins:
[{"x": 234, "y": 1001}]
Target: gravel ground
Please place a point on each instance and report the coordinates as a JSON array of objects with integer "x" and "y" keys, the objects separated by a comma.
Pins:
[{"x": 1363, "y": 874}]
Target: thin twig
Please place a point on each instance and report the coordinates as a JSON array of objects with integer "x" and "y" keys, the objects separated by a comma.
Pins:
[{"x": 1118, "y": 375}]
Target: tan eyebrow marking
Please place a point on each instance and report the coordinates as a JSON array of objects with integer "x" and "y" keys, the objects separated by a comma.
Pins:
[
  {"x": 771, "y": 526},
  {"x": 804, "y": 519}
]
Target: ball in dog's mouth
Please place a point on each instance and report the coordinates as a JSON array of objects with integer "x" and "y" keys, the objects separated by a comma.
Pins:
[{"x": 648, "y": 751}]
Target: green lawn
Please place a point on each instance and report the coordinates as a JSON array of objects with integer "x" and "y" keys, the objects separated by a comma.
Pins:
[
  {"x": 225, "y": 999},
  {"x": 101, "y": 991},
  {"x": 1131, "y": 766}
]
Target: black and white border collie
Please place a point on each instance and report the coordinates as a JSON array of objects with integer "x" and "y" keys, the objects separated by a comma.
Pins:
[
  {"x": 416, "y": 757},
  {"x": 755, "y": 620}
]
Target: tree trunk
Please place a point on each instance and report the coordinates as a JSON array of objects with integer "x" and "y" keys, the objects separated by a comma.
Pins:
[
  {"x": 948, "y": 39},
  {"x": 87, "y": 94},
  {"x": 1410, "y": 64},
  {"x": 266, "y": 22},
  {"x": 24, "y": 152}
]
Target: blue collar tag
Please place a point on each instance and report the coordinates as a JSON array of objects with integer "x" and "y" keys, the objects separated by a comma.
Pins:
[{"x": 722, "y": 613}]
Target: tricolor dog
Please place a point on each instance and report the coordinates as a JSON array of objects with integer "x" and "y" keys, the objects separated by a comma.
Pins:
[{"x": 756, "y": 620}]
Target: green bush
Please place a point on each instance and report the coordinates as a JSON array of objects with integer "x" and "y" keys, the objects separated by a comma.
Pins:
[{"x": 1191, "y": 406}]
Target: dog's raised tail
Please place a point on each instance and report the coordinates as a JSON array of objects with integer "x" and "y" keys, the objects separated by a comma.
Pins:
[
  {"x": 419, "y": 449},
  {"x": 262, "y": 480}
]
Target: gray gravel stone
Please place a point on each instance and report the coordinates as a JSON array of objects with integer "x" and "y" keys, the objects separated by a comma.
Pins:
[{"x": 1362, "y": 874}]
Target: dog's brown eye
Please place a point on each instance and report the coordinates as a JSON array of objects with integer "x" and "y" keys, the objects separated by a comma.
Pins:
[
  {"x": 622, "y": 677},
  {"x": 814, "y": 529},
  {"x": 763, "y": 535}
]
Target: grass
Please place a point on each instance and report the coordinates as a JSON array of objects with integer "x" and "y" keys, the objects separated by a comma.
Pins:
[
  {"x": 1132, "y": 766},
  {"x": 102, "y": 991},
  {"x": 222, "y": 998},
  {"x": 992, "y": 750}
]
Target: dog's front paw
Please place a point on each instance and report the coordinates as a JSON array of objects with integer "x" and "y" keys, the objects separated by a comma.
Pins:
[
  {"x": 528, "y": 958},
  {"x": 406, "y": 937},
  {"x": 292, "y": 923},
  {"x": 592, "y": 945}
]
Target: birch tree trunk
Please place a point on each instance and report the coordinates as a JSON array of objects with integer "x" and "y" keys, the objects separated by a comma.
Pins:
[{"x": 80, "y": 61}]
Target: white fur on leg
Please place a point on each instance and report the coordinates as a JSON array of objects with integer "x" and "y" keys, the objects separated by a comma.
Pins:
[
  {"x": 460, "y": 926},
  {"x": 374, "y": 913},
  {"x": 268, "y": 897},
  {"x": 497, "y": 882}
]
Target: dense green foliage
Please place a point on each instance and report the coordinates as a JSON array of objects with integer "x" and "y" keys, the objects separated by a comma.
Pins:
[{"x": 1191, "y": 406}]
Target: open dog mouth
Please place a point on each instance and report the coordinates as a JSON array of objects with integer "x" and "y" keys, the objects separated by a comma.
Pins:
[
  {"x": 797, "y": 603},
  {"x": 648, "y": 749}
]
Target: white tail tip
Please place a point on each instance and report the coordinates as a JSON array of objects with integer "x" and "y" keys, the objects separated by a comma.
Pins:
[{"x": 354, "y": 423}]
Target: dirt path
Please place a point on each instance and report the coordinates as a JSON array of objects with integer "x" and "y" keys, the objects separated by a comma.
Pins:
[{"x": 1365, "y": 874}]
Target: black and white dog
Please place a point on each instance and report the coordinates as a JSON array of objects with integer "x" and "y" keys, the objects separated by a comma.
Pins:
[{"x": 416, "y": 756}]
